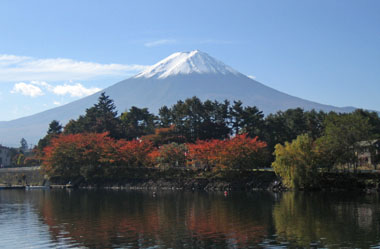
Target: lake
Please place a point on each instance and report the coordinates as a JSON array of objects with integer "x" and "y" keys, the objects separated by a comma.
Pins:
[{"x": 176, "y": 219}]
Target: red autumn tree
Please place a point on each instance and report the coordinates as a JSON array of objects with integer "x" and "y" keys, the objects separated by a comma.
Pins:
[
  {"x": 206, "y": 153},
  {"x": 75, "y": 155},
  {"x": 172, "y": 154},
  {"x": 243, "y": 152},
  {"x": 239, "y": 152},
  {"x": 123, "y": 155},
  {"x": 94, "y": 155}
]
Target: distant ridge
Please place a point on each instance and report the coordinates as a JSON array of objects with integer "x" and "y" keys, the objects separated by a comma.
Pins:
[{"x": 177, "y": 77}]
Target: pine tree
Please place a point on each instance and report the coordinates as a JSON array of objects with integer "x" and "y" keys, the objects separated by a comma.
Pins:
[
  {"x": 102, "y": 117},
  {"x": 54, "y": 128}
]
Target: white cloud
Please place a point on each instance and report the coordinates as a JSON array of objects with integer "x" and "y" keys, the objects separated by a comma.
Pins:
[
  {"x": 251, "y": 76},
  {"x": 35, "y": 88},
  {"x": 27, "y": 89},
  {"x": 22, "y": 68},
  {"x": 75, "y": 90},
  {"x": 159, "y": 42},
  {"x": 57, "y": 103},
  {"x": 7, "y": 59},
  {"x": 43, "y": 84}
]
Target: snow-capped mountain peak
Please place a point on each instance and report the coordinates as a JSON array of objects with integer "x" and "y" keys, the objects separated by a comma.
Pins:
[{"x": 186, "y": 63}]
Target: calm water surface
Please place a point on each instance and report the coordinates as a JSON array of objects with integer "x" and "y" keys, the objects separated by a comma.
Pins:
[{"x": 137, "y": 219}]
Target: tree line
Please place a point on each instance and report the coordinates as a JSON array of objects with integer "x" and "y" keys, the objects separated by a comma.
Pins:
[
  {"x": 333, "y": 136},
  {"x": 191, "y": 120}
]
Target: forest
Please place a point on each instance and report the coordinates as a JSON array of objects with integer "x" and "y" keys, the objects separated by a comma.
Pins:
[{"x": 207, "y": 136}]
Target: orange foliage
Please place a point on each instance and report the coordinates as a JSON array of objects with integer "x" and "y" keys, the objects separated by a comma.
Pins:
[
  {"x": 136, "y": 152},
  {"x": 172, "y": 154},
  {"x": 96, "y": 155},
  {"x": 164, "y": 136},
  {"x": 90, "y": 154},
  {"x": 239, "y": 152},
  {"x": 206, "y": 152}
]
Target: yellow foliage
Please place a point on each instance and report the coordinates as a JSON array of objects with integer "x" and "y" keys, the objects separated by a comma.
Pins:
[{"x": 295, "y": 162}]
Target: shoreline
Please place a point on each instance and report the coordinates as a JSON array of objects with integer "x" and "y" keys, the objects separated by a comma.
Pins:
[{"x": 33, "y": 178}]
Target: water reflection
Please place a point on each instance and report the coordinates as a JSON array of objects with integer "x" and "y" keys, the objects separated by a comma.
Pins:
[
  {"x": 20, "y": 225},
  {"x": 102, "y": 219},
  {"x": 328, "y": 219},
  {"x": 136, "y": 219}
]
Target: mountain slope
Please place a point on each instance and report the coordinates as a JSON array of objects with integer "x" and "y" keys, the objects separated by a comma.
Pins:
[{"x": 179, "y": 76}]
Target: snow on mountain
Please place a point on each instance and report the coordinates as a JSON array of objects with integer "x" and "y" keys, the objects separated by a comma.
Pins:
[
  {"x": 177, "y": 77},
  {"x": 186, "y": 63}
]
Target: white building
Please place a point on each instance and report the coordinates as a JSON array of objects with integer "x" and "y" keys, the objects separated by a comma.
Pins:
[{"x": 5, "y": 156}]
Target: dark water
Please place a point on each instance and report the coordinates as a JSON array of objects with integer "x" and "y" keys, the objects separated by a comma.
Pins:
[{"x": 135, "y": 219}]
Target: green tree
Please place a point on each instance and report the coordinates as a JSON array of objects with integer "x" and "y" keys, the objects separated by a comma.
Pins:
[
  {"x": 295, "y": 162},
  {"x": 253, "y": 121},
  {"x": 373, "y": 119},
  {"x": 236, "y": 116},
  {"x": 102, "y": 117},
  {"x": 55, "y": 128},
  {"x": 285, "y": 126},
  {"x": 194, "y": 119},
  {"x": 275, "y": 130},
  {"x": 193, "y": 112},
  {"x": 341, "y": 138},
  {"x": 314, "y": 122},
  {"x": 165, "y": 116},
  {"x": 214, "y": 123},
  {"x": 105, "y": 115},
  {"x": 137, "y": 122}
]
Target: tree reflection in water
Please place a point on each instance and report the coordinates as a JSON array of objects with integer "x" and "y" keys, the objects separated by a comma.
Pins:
[
  {"x": 329, "y": 219},
  {"x": 137, "y": 219},
  {"x": 104, "y": 219}
]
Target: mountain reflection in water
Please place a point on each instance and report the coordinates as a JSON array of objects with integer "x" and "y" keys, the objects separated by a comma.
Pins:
[{"x": 137, "y": 219}]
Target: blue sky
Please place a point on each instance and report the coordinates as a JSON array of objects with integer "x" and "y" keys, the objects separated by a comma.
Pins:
[{"x": 54, "y": 52}]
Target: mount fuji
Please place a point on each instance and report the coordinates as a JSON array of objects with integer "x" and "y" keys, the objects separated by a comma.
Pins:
[{"x": 177, "y": 77}]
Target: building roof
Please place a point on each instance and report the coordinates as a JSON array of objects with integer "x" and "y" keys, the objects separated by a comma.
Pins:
[{"x": 368, "y": 143}]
